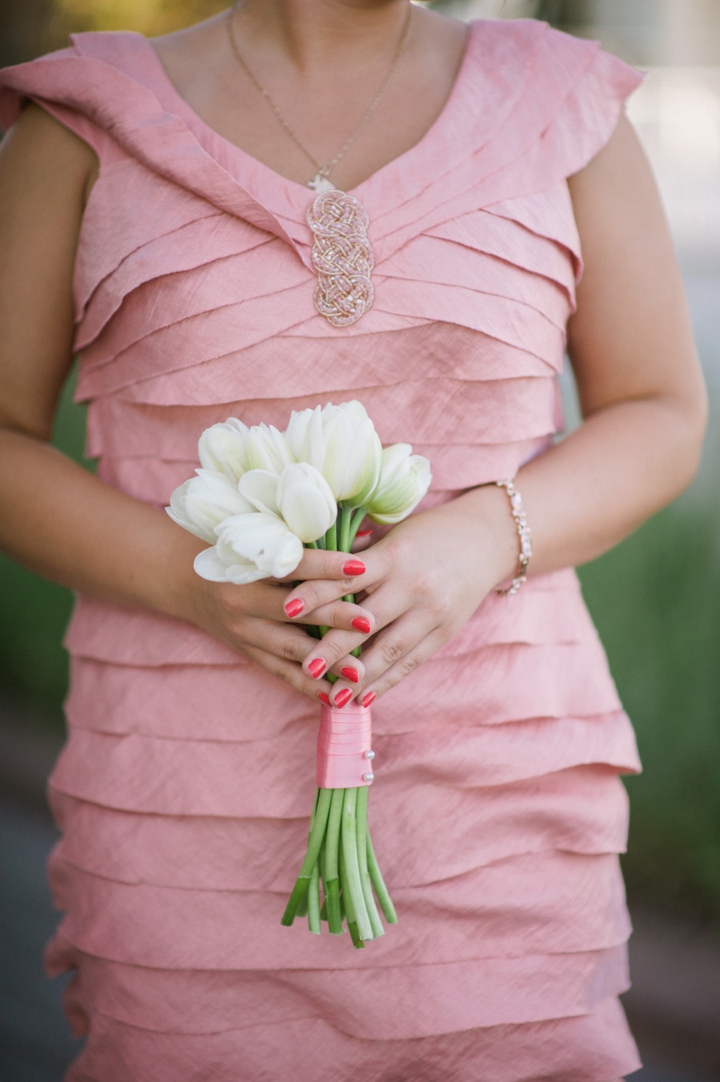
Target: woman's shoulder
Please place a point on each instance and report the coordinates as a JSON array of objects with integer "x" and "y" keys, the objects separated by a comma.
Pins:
[
  {"x": 95, "y": 67},
  {"x": 543, "y": 94},
  {"x": 101, "y": 88},
  {"x": 537, "y": 47}
]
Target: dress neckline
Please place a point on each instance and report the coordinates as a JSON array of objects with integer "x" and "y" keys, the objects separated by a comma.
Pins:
[{"x": 246, "y": 167}]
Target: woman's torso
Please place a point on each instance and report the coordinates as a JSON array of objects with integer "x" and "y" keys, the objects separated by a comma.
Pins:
[{"x": 194, "y": 288}]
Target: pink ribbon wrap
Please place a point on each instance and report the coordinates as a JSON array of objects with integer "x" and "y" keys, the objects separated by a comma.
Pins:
[{"x": 343, "y": 740}]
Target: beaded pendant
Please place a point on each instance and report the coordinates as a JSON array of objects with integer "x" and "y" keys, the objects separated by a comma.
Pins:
[{"x": 342, "y": 257}]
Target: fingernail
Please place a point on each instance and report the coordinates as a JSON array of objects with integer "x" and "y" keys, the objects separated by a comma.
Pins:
[
  {"x": 361, "y": 624},
  {"x": 294, "y": 607},
  {"x": 370, "y": 697},
  {"x": 364, "y": 533},
  {"x": 354, "y": 567},
  {"x": 343, "y": 697},
  {"x": 324, "y": 698},
  {"x": 350, "y": 674},
  {"x": 316, "y": 668}
]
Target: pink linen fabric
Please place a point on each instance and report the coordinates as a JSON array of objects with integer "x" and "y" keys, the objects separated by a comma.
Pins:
[{"x": 184, "y": 788}]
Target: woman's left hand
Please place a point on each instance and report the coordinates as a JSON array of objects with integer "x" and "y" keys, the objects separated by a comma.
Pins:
[{"x": 423, "y": 581}]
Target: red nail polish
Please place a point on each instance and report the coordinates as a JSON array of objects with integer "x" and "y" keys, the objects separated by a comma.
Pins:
[
  {"x": 343, "y": 697},
  {"x": 324, "y": 698},
  {"x": 361, "y": 624},
  {"x": 294, "y": 607},
  {"x": 351, "y": 674},
  {"x": 354, "y": 567},
  {"x": 316, "y": 668},
  {"x": 370, "y": 697},
  {"x": 364, "y": 533}
]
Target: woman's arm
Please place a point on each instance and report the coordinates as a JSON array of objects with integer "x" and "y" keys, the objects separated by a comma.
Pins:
[
  {"x": 639, "y": 381},
  {"x": 58, "y": 519},
  {"x": 644, "y": 408}
]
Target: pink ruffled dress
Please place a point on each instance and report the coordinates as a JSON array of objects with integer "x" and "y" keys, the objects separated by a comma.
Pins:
[{"x": 185, "y": 785}]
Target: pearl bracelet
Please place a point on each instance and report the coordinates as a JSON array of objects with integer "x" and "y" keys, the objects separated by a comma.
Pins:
[{"x": 518, "y": 513}]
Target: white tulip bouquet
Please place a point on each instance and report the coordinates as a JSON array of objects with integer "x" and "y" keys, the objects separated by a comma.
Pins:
[{"x": 259, "y": 497}]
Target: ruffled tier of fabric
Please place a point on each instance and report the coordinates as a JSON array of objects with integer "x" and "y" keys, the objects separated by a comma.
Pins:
[
  {"x": 571, "y": 811},
  {"x": 507, "y": 917},
  {"x": 594, "y": 1047}
]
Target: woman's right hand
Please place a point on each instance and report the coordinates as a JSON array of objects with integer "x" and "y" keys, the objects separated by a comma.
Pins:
[{"x": 252, "y": 619}]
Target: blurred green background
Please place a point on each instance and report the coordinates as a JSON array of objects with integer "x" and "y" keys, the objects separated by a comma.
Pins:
[{"x": 654, "y": 598}]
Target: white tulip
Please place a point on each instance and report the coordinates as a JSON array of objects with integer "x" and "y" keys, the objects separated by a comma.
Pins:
[
  {"x": 306, "y": 501},
  {"x": 260, "y": 488},
  {"x": 222, "y": 448},
  {"x": 340, "y": 442},
  {"x": 304, "y": 433},
  {"x": 404, "y": 480},
  {"x": 250, "y": 547},
  {"x": 203, "y": 502},
  {"x": 267, "y": 449}
]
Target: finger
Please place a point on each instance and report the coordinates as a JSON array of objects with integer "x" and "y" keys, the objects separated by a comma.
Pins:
[
  {"x": 375, "y": 611},
  {"x": 289, "y": 643},
  {"x": 337, "y": 643},
  {"x": 291, "y": 673},
  {"x": 346, "y": 667},
  {"x": 403, "y": 645},
  {"x": 327, "y": 654},
  {"x": 357, "y": 620},
  {"x": 262, "y": 600},
  {"x": 396, "y": 643},
  {"x": 314, "y": 594},
  {"x": 407, "y": 664},
  {"x": 327, "y": 564},
  {"x": 324, "y": 580}
]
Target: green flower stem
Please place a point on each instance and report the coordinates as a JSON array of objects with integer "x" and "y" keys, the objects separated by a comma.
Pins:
[
  {"x": 362, "y": 848},
  {"x": 344, "y": 518},
  {"x": 349, "y": 841},
  {"x": 346, "y": 899},
  {"x": 379, "y": 884},
  {"x": 302, "y": 908},
  {"x": 318, "y": 822},
  {"x": 355, "y": 523},
  {"x": 331, "y": 536},
  {"x": 314, "y": 901},
  {"x": 331, "y": 873},
  {"x": 323, "y": 875}
]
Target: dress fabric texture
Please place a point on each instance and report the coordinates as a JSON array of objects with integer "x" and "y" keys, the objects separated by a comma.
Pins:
[{"x": 185, "y": 785}]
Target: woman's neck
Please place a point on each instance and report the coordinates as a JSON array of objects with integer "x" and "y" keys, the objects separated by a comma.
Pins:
[
  {"x": 322, "y": 62},
  {"x": 323, "y": 38}
]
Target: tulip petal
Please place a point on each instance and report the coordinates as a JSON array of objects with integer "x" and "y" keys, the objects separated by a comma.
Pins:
[
  {"x": 259, "y": 487},
  {"x": 221, "y": 447},
  {"x": 209, "y": 565},
  {"x": 306, "y": 501},
  {"x": 267, "y": 449},
  {"x": 404, "y": 480}
]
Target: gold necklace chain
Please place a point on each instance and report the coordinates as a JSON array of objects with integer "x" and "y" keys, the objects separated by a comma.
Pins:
[{"x": 320, "y": 182}]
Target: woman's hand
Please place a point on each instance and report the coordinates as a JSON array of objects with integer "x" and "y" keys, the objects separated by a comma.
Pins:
[
  {"x": 424, "y": 580},
  {"x": 255, "y": 619}
]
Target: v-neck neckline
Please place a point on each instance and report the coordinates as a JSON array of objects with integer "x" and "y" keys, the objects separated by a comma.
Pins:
[{"x": 258, "y": 177}]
